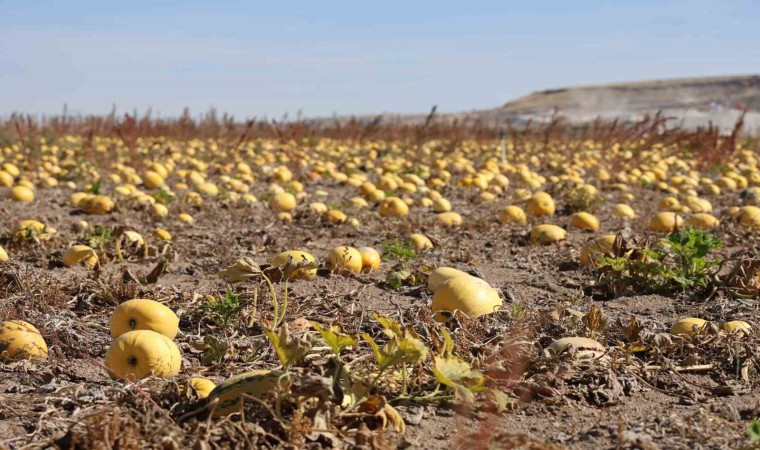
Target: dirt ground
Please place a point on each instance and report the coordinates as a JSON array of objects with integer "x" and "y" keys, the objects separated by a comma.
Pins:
[{"x": 69, "y": 400}]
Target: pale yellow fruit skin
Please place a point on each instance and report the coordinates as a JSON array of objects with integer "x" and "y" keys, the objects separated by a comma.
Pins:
[
  {"x": 21, "y": 340},
  {"x": 144, "y": 314},
  {"x": 540, "y": 204},
  {"x": 3, "y": 254},
  {"x": 335, "y": 216},
  {"x": 152, "y": 180},
  {"x": 702, "y": 221},
  {"x": 467, "y": 296},
  {"x": 584, "y": 221},
  {"x": 623, "y": 211},
  {"x": 685, "y": 326},
  {"x": 35, "y": 228},
  {"x": 185, "y": 217},
  {"x": 77, "y": 198},
  {"x": 729, "y": 327},
  {"x": 140, "y": 353},
  {"x": 420, "y": 241},
  {"x": 513, "y": 214},
  {"x": 749, "y": 216},
  {"x": 80, "y": 254},
  {"x": 160, "y": 210},
  {"x": 228, "y": 398},
  {"x": 298, "y": 255},
  {"x": 597, "y": 248},
  {"x": 282, "y": 202},
  {"x": 393, "y": 207},
  {"x": 370, "y": 258},
  {"x": 6, "y": 179},
  {"x": 441, "y": 205},
  {"x": 21, "y": 194},
  {"x": 134, "y": 237},
  {"x": 441, "y": 275},
  {"x": 582, "y": 347},
  {"x": 97, "y": 204},
  {"x": 162, "y": 234},
  {"x": 344, "y": 259},
  {"x": 202, "y": 386},
  {"x": 546, "y": 234},
  {"x": 318, "y": 207},
  {"x": 665, "y": 222},
  {"x": 449, "y": 219},
  {"x": 209, "y": 189}
]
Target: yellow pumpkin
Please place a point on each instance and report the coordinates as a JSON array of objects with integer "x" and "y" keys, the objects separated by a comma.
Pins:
[
  {"x": 282, "y": 202},
  {"x": 162, "y": 234},
  {"x": 730, "y": 327},
  {"x": 152, "y": 180},
  {"x": 144, "y": 314},
  {"x": 393, "y": 207},
  {"x": 449, "y": 219},
  {"x": 201, "y": 386},
  {"x": 21, "y": 194},
  {"x": 513, "y": 214},
  {"x": 540, "y": 204},
  {"x": 97, "y": 204},
  {"x": 702, "y": 221},
  {"x": 665, "y": 222},
  {"x": 335, "y": 216},
  {"x": 584, "y": 221},
  {"x": 546, "y": 234},
  {"x": 623, "y": 211},
  {"x": 464, "y": 295},
  {"x": 370, "y": 258},
  {"x": 687, "y": 326},
  {"x": 441, "y": 275},
  {"x": 344, "y": 260},
  {"x": 420, "y": 241},
  {"x": 80, "y": 254},
  {"x": 137, "y": 354},
  {"x": 441, "y": 205},
  {"x": 296, "y": 256},
  {"x": 21, "y": 340}
]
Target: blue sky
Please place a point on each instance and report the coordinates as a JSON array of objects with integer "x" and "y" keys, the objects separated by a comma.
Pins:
[{"x": 267, "y": 58}]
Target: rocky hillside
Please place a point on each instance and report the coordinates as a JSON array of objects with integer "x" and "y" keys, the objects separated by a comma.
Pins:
[
  {"x": 706, "y": 94},
  {"x": 688, "y": 102}
]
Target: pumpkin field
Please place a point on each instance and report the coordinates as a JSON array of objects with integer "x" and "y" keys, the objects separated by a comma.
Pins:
[{"x": 210, "y": 284}]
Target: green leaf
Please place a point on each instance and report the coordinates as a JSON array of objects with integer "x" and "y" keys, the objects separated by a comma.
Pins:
[
  {"x": 288, "y": 348},
  {"x": 335, "y": 337},
  {"x": 753, "y": 431},
  {"x": 454, "y": 372},
  {"x": 397, "y": 351}
]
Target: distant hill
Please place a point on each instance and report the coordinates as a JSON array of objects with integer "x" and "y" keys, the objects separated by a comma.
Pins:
[
  {"x": 690, "y": 102},
  {"x": 707, "y": 94}
]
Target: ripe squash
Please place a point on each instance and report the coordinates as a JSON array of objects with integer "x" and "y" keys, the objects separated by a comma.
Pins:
[
  {"x": 297, "y": 256},
  {"x": 144, "y": 314},
  {"x": 464, "y": 295},
  {"x": 137, "y": 354},
  {"x": 21, "y": 340},
  {"x": 344, "y": 260}
]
